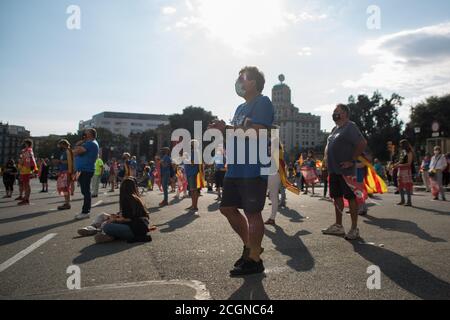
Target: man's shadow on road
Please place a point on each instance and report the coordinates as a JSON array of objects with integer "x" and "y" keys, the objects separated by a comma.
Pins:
[
  {"x": 404, "y": 273},
  {"x": 178, "y": 222},
  {"x": 14, "y": 237},
  {"x": 27, "y": 216},
  {"x": 96, "y": 251},
  {"x": 251, "y": 289},
  {"x": 402, "y": 226},
  {"x": 214, "y": 206},
  {"x": 438, "y": 212},
  {"x": 292, "y": 214},
  {"x": 293, "y": 247}
]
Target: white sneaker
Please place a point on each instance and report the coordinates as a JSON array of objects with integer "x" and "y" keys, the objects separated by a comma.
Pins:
[
  {"x": 88, "y": 231},
  {"x": 335, "y": 230},
  {"x": 82, "y": 216},
  {"x": 353, "y": 234}
]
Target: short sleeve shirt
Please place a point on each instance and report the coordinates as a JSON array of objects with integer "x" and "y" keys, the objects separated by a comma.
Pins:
[
  {"x": 259, "y": 111},
  {"x": 341, "y": 146}
]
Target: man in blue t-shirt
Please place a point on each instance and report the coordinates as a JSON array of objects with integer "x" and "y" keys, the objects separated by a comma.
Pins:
[
  {"x": 166, "y": 163},
  {"x": 86, "y": 153},
  {"x": 244, "y": 186}
]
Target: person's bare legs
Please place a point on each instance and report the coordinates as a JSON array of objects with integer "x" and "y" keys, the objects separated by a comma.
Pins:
[
  {"x": 238, "y": 222},
  {"x": 255, "y": 234},
  {"x": 339, "y": 208},
  {"x": 27, "y": 191},
  {"x": 353, "y": 212},
  {"x": 195, "y": 196}
]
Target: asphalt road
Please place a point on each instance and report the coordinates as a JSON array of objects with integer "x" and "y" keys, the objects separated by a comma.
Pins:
[{"x": 190, "y": 255}]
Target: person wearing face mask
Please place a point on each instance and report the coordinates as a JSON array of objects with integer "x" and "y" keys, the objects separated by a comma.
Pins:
[
  {"x": 245, "y": 187},
  {"x": 65, "y": 171},
  {"x": 437, "y": 166},
  {"x": 345, "y": 145},
  {"x": 405, "y": 181}
]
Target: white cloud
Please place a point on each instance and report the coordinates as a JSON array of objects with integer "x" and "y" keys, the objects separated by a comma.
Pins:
[
  {"x": 325, "y": 108},
  {"x": 305, "y": 17},
  {"x": 414, "y": 62},
  {"x": 169, "y": 10},
  {"x": 241, "y": 25},
  {"x": 306, "y": 51}
]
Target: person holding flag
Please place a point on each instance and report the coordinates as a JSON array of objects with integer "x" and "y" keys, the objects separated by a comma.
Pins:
[
  {"x": 345, "y": 145},
  {"x": 298, "y": 172},
  {"x": 405, "y": 181},
  {"x": 194, "y": 174},
  {"x": 309, "y": 172},
  {"x": 28, "y": 167},
  {"x": 65, "y": 171},
  {"x": 276, "y": 180}
]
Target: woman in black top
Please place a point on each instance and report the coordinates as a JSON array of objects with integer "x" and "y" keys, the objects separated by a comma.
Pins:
[
  {"x": 9, "y": 176},
  {"x": 132, "y": 223},
  {"x": 43, "y": 176}
]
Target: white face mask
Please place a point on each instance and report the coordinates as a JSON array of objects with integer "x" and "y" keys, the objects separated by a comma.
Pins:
[{"x": 240, "y": 91}]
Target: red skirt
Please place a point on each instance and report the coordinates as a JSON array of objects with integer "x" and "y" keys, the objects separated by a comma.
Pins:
[
  {"x": 63, "y": 184},
  {"x": 405, "y": 181}
]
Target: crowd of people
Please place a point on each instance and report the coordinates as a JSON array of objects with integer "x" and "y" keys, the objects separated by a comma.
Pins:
[{"x": 346, "y": 171}]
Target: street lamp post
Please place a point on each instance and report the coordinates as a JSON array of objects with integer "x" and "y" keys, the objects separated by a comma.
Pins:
[{"x": 151, "y": 142}]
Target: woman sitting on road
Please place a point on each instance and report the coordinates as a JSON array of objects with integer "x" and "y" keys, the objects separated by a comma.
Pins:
[{"x": 130, "y": 224}]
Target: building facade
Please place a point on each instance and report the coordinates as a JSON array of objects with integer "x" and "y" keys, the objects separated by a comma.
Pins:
[
  {"x": 11, "y": 138},
  {"x": 298, "y": 131},
  {"x": 125, "y": 123}
]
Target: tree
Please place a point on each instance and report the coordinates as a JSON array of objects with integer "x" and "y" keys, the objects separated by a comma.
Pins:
[
  {"x": 377, "y": 118},
  {"x": 187, "y": 118},
  {"x": 424, "y": 114}
]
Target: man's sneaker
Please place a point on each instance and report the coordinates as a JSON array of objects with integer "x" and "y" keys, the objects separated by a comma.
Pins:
[
  {"x": 24, "y": 203},
  {"x": 65, "y": 206},
  {"x": 82, "y": 216},
  {"x": 88, "y": 231},
  {"x": 103, "y": 238},
  {"x": 163, "y": 204},
  {"x": 335, "y": 230},
  {"x": 409, "y": 204},
  {"x": 245, "y": 254},
  {"x": 353, "y": 234},
  {"x": 18, "y": 198},
  {"x": 248, "y": 267}
]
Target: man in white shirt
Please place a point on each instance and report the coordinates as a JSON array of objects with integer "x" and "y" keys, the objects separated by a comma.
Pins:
[{"x": 437, "y": 166}]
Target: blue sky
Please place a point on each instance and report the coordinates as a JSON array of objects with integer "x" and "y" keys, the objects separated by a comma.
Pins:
[{"x": 159, "y": 56}]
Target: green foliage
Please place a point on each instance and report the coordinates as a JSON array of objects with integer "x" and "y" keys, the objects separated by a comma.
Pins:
[
  {"x": 377, "y": 118},
  {"x": 425, "y": 113}
]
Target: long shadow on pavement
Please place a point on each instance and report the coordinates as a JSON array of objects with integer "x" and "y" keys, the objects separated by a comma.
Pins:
[
  {"x": 14, "y": 237},
  {"x": 293, "y": 247},
  {"x": 251, "y": 289},
  {"x": 214, "y": 206},
  {"x": 292, "y": 214},
  {"x": 178, "y": 222},
  {"x": 404, "y": 273},
  {"x": 402, "y": 226},
  {"x": 95, "y": 251},
  {"x": 27, "y": 216},
  {"x": 439, "y": 212}
]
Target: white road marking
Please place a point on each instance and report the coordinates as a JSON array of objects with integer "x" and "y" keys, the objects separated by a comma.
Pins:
[
  {"x": 201, "y": 293},
  {"x": 97, "y": 203},
  {"x": 26, "y": 251}
]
